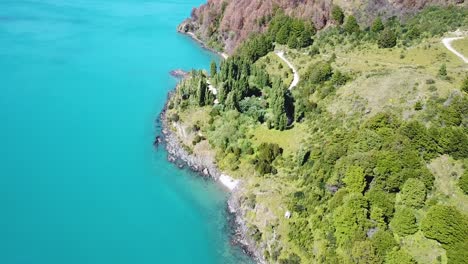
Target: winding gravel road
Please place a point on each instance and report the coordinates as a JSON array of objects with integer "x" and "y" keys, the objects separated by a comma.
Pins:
[
  {"x": 448, "y": 44},
  {"x": 296, "y": 75}
]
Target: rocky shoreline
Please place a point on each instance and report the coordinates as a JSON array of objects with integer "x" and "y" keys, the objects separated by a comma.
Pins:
[
  {"x": 185, "y": 29},
  {"x": 181, "y": 158}
]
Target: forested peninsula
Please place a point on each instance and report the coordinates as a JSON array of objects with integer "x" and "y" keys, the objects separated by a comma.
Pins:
[{"x": 364, "y": 160}]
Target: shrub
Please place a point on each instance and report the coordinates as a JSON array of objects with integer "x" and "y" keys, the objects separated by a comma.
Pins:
[
  {"x": 351, "y": 25},
  {"x": 387, "y": 39},
  {"x": 174, "y": 117},
  {"x": 338, "y": 78},
  {"x": 196, "y": 140},
  {"x": 399, "y": 256},
  {"x": 314, "y": 51},
  {"x": 430, "y": 81},
  {"x": 464, "y": 86},
  {"x": 365, "y": 252},
  {"x": 413, "y": 33},
  {"x": 443, "y": 71},
  {"x": 377, "y": 25},
  {"x": 292, "y": 259},
  {"x": 337, "y": 14},
  {"x": 319, "y": 72},
  {"x": 418, "y": 106}
]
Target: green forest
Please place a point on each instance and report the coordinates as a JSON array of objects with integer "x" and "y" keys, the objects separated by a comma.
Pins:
[{"x": 369, "y": 152}]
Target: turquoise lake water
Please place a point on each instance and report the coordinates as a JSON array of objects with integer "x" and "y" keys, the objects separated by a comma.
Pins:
[{"x": 81, "y": 83}]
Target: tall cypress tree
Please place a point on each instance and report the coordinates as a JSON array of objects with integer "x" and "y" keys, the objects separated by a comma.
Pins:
[
  {"x": 277, "y": 104},
  {"x": 213, "y": 69},
  {"x": 201, "y": 92}
]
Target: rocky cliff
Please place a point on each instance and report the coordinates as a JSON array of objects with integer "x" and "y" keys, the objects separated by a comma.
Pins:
[{"x": 223, "y": 24}]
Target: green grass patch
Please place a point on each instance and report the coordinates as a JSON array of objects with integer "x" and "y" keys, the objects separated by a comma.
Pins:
[
  {"x": 289, "y": 140},
  {"x": 276, "y": 67},
  {"x": 461, "y": 46}
]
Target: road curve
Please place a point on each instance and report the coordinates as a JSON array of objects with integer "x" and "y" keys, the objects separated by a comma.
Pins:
[
  {"x": 296, "y": 75},
  {"x": 448, "y": 44}
]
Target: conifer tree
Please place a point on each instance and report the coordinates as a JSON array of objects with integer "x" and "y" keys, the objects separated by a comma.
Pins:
[
  {"x": 283, "y": 35},
  {"x": 231, "y": 101},
  {"x": 377, "y": 25},
  {"x": 351, "y": 25},
  {"x": 387, "y": 39},
  {"x": 213, "y": 69},
  {"x": 337, "y": 14},
  {"x": 277, "y": 104},
  {"x": 201, "y": 92}
]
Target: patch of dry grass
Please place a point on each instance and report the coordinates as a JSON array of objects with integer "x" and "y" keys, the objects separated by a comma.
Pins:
[
  {"x": 424, "y": 250},
  {"x": 447, "y": 172},
  {"x": 461, "y": 46}
]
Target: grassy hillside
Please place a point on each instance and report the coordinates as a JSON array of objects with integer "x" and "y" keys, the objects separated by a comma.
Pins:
[{"x": 368, "y": 152}]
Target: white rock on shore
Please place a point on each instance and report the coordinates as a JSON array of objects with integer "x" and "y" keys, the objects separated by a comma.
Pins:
[{"x": 229, "y": 182}]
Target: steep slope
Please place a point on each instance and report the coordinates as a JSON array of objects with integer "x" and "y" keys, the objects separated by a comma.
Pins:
[
  {"x": 223, "y": 25},
  {"x": 364, "y": 161}
]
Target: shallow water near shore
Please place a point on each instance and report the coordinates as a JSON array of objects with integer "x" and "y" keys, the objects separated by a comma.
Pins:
[{"x": 80, "y": 182}]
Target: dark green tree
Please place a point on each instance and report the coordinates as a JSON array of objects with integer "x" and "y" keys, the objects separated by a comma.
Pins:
[
  {"x": 351, "y": 26},
  {"x": 413, "y": 193},
  {"x": 445, "y": 224},
  {"x": 282, "y": 36},
  {"x": 387, "y": 39},
  {"x": 278, "y": 105},
  {"x": 354, "y": 179},
  {"x": 337, "y": 14},
  {"x": 383, "y": 200},
  {"x": 231, "y": 101},
  {"x": 223, "y": 91},
  {"x": 305, "y": 38},
  {"x": 201, "y": 92},
  {"x": 404, "y": 222},
  {"x": 350, "y": 219},
  {"x": 383, "y": 242},
  {"x": 266, "y": 154},
  {"x": 463, "y": 182},
  {"x": 213, "y": 69},
  {"x": 377, "y": 25}
]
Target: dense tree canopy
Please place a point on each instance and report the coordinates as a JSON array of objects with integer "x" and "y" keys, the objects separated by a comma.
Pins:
[
  {"x": 357, "y": 184},
  {"x": 354, "y": 179},
  {"x": 413, "y": 193},
  {"x": 404, "y": 222},
  {"x": 296, "y": 33}
]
